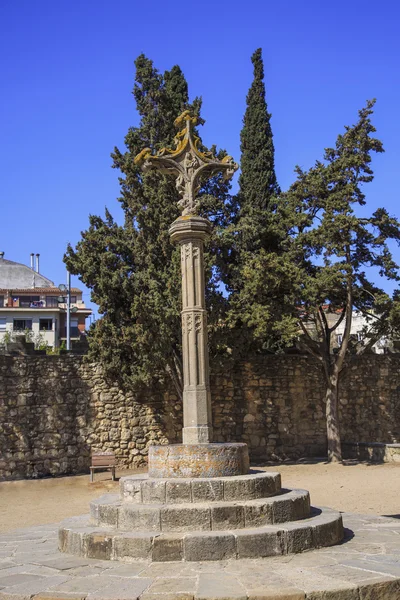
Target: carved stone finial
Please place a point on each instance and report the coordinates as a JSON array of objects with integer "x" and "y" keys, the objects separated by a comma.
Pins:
[{"x": 187, "y": 163}]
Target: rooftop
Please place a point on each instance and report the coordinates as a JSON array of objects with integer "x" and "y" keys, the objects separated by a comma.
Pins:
[{"x": 15, "y": 275}]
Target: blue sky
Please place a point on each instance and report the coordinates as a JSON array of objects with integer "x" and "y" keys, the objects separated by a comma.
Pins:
[{"x": 67, "y": 74}]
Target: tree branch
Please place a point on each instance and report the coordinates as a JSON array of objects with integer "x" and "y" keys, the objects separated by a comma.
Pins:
[
  {"x": 339, "y": 321},
  {"x": 311, "y": 345},
  {"x": 173, "y": 373},
  {"x": 348, "y": 310}
]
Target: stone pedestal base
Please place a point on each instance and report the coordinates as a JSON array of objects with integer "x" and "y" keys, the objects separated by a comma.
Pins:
[
  {"x": 200, "y": 502},
  {"x": 201, "y": 434},
  {"x": 199, "y": 519},
  {"x": 198, "y": 460}
]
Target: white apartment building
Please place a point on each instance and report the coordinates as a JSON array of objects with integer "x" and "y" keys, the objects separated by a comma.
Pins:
[
  {"x": 359, "y": 324},
  {"x": 29, "y": 302}
]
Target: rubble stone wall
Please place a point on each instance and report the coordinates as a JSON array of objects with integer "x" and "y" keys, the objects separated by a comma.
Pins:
[{"x": 55, "y": 409}]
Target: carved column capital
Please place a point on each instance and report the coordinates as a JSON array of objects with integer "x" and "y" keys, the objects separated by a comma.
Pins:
[{"x": 190, "y": 227}]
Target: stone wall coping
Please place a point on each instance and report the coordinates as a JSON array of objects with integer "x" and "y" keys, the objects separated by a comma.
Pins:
[{"x": 370, "y": 444}]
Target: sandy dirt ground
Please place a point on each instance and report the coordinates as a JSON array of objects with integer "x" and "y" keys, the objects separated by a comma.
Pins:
[{"x": 351, "y": 487}]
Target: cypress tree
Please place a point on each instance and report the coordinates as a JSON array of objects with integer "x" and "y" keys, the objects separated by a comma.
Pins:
[
  {"x": 257, "y": 183},
  {"x": 252, "y": 228}
]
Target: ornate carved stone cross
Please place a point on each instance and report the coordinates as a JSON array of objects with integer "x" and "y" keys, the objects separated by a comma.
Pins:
[{"x": 191, "y": 167}]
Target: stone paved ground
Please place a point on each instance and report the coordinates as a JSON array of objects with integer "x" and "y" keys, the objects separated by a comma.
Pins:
[{"x": 365, "y": 567}]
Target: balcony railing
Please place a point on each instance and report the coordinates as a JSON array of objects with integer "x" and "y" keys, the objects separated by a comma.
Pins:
[
  {"x": 25, "y": 304},
  {"x": 39, "y": 304}
]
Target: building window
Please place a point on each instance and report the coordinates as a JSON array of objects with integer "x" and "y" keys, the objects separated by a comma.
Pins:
[
  {"x": 73, "y": 300},
  {"x": 74, "y": 331},
  {"x": 51, "y": 302},
  {"x": 3, "y": 322},
  {"x": 1, "y": 301},
  {"x": 45, "y": 324},
  {"x": 22, "y": 324}
]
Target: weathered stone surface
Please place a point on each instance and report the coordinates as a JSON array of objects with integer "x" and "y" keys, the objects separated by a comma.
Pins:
[
  {"x": 290, "y": 505},
  {"x": 351, "y": 571},
  {"x": 104, "y": 510},
  {"x": 139, "y": 517},
  {"x": 384, "y": 590},
  {"x": 178, "y": 491},
  {"x": 59, "y": 596},
  {"x": 73, "y": 541},
  {"x": 173, "y": 585},
  {"x": 147, "y": 490},
  {"x": 293, "y": 505},
  {"x": 190, "y": 230},
  {"x": 220, "y": 587},
  {"x": 190, "y": 233},
  {"x": 99, "y": 546},
  {"x": 226, "y": 516},
  {"x": 207, "y": 491},
  {"x": 121, "y": 589},
  {"x": 243, "y": 488},
  {"x": 298, "y": 537},
  {"x": 131, "y": 489},
  {"x": 277, "y": 594},
  {"x": 132, "y": 546},
  {"x": 167, "y": 596},
  {"x": 261, "y": 398},
  {"x": 327, "y": 533},
  {"x": 372, "y": 451},
  {"x": 81, "y": 585},
  {"x": 153, "y": 491},
  {"x": 253, "y": 543},
  {"x": 62, "y": 562},
  {"x": 167, "y": 547},
  {"x": 188, "y": 518},
  {"x": 268, "y": 540},
  {"x": 258, "y": 514},
  {"x": 18, "y": 579},
  {"x": 23, "y": 591},
  {"x": 209, "y": 546},
  {"x": 267, "y": 486},
  {"x": 198, "y": 460}
]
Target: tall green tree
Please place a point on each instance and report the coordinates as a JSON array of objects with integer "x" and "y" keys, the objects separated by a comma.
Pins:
[
  {"x": 258, "y": 185},
  {"x": 133, "y": 270},
  {"x": 252, "y": 226},
  {"x": 327, "y": 264}
]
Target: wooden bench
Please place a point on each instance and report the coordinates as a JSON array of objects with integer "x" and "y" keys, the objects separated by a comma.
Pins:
[{"x": 104, "y": 461}]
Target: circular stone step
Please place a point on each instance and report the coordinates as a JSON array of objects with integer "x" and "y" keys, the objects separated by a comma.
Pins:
[
  {"x": 147, "y": 490},
  {"x": 323, "y": 528},
  {"x": 109, "y": 511}
]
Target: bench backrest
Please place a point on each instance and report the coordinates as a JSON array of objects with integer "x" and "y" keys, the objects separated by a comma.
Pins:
[{"x": 103, "y": 460}]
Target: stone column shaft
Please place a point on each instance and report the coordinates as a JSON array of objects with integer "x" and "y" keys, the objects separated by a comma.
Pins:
[{"x": 190, "y": 233}]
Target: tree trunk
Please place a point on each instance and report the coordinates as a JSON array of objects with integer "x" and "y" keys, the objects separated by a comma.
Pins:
[{"x": 332, "y": 420}]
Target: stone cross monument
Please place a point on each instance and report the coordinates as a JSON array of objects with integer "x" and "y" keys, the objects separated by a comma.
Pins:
[
  {"x": 198, "y": 501},
  {"x": 191, "y": 167}
]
